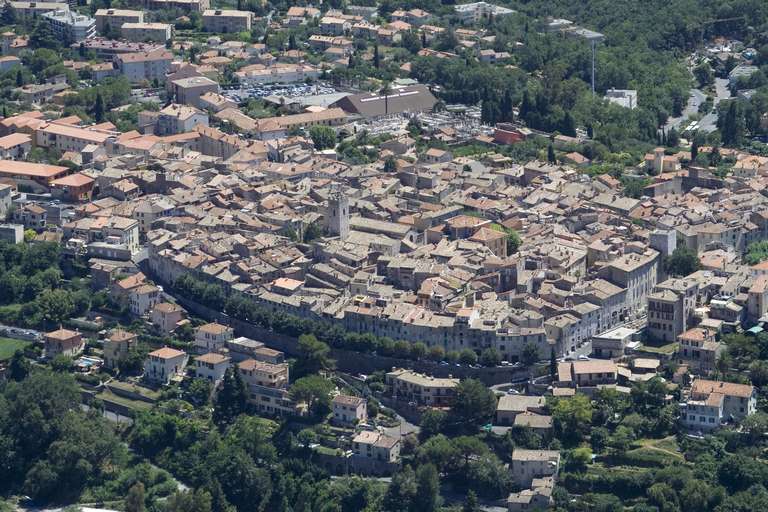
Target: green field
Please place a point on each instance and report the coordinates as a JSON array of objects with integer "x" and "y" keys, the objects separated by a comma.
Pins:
[{"x": 9, "y": 346}]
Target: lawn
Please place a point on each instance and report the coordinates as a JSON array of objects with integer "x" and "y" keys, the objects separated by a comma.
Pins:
[
  {"x": 9, "y": 346},
  {"x": 135, "y": 405}
]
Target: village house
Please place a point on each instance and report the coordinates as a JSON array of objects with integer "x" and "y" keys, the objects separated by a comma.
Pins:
[
  {"x": 164, "y": 365},
  {"x": 63, "y": 342},
  {"x": 212, "y": 368},
  {"x": 349, "y": 410},
  {"x": 118, "y": 346},
  {"x": 212, "y": 337}
]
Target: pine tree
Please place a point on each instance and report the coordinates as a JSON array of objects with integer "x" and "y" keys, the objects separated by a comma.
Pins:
[
  {"x": 292, "y": 42},
  {"x": 695, "y": 148},
  {"x": 423, "y": 39},
  {"x": 551, "y": 158},
  {"x": 19, "y": 78},
  {"x": 231, "y": 400},
  {"x": 134, "y": 500},
  {"x": 8, "y": 15},
  {"x": 526, "y": 106},
  {"x": 471, "y": 505},
  {"x": 376, "y": 57},
  {"x": 569, "y": 125},
  {"x": 552, "y": 364},
  {"x": 98, "y": 108}
]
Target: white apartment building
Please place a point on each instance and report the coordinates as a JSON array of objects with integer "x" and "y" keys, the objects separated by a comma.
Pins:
[{"x": 70, "y": 27}]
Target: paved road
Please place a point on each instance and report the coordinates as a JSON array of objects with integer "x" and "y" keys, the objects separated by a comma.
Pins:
[
  {"x": 708, "y": 123},
  {"x": 694, "y": 100},
  {"x": 403, "y": 429}
]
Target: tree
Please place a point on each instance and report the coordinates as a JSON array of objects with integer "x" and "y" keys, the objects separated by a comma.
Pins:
[
  {"x": 199, "y": 391},
  {"x": 8, "y": 15},
  {"x": 695, "y": 147},
  {"x": 490, "y": 357},
  {"x": 19, "y": 367},
  {"x": 673, "y": 138},
  {"x": 313, "y": 355},
  {"x": 390, "y": 164},
  {"x": 402, "y": 491},
  {"x": 474, "y": 405},
  {"x": 19, "y": 77},
  {"x": 731, "y": 126},
  {"x": 468, "y": 357},
  {"x": 704, "y": 74},
  {"x": 323, "y": 137},
  {"x": 682, "y": 262},
  {"x": 232, "y": 399},
  {"x": 530, "y": 354},
  {"x": 43, "y": 37},
  {"x": 471, "y": 504},
  {"x": 572, "y": 417},
  {"x": 436, "y": 353},
  {"x": 427, "y": 489},
  {"x": 61, "y": 363},
  {"x": 134, "y": 500},
  {"x": 432, "y": 422},
  {"x": 98, "y": 108},
  {"x": 386, "y": 91},
  {"x": 552, "y": 364},
  {"x": 376, "y": 57},
  {"x": 315, "y": 391},
  {"x": 551, "y": 158},
  {"x": 56, "y": 306},
  {"x": 621, "y": 440},
  {"x": 490, "y": 112},
  {"x": 410, "y": 41}
]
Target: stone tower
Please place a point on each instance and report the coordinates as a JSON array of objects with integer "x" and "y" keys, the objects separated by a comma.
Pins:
[{"x": 337, "y": 215}]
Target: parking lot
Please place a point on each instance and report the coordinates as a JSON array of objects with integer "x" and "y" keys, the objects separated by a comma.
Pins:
[{"x": 245, "y": 92}]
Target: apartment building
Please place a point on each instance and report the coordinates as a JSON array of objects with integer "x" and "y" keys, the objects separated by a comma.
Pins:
[
  {"x": 187, "y": 91},
  {"x": 422, "y": 389},
  {"x": 176, "y": 118},
  {"x": 144, "y": 66},
  {"x": 164, "y": 365},
  {"x": 278, "y": 73},
  {"x": 143, "y": 32},
  {"x": 70, "y": 27},
  {"x": 635, "y": 272},
  {"x": 115, "y": 18},
  {"x": 267, "y": 387},
  {"x": 28, "y": 10},
  {"x": 670, "y": 308},
  {"x": 182, "y": 5},
  {"x": 223, "y": 21},
  {"x": 65, "y": 138},
  {"x": 212, "y": 337}
]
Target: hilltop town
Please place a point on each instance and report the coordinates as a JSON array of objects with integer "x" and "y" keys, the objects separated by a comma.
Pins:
[{"x": 394, "y": 256}]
